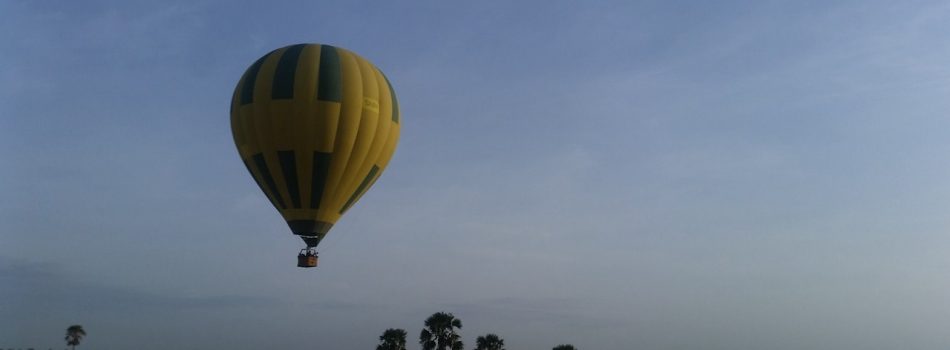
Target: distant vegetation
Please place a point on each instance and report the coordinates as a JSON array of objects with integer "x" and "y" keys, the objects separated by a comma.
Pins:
[
  {"x": 441, "y": 332},
  {"x": 74, "y": 335},
  {"x": 392, "y": 339},
  {"x": 489, "y": 342}
]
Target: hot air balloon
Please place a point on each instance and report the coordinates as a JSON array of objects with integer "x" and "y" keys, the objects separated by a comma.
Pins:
[{"x": 315, "y": 125}]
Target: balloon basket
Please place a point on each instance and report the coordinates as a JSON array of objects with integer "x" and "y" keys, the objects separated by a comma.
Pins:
[{"x": 307, "y": 258}]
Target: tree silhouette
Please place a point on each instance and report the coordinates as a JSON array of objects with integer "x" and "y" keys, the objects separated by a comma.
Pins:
[
  {"x": 392, "y": 339},
  {"x": 74, "y": 335},
  {"x": 489, "y": 342},
  {"x": 440, "y": 332},
  {"x": 565, "y": 347}
]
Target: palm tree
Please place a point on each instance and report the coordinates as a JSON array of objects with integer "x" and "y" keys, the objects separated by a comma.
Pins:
[
  {"x": 440, "y": 332},
  {"x": 564, "y": 347},
  {"x": 392, "y": 339},
  {"x": 74, "y": 335},
  {"x": 489, "y": 342}
]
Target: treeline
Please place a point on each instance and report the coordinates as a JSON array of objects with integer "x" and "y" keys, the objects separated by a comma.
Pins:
[{"x": 441, "y": 332}]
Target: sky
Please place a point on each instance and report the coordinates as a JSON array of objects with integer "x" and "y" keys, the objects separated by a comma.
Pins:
[{"x": 609, "y": 174}]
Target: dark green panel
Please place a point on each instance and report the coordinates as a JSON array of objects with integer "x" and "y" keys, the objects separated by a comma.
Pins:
[
  {"x": 330, "y": 84},
  {"x": 311, "y": 241},
  {"x": 321, "y": 167},
  {"x": 268, "y": 179},
  {"x": 258, "y": 181},
  {"x": 288, "y": 164},
  {"x": 286, "y": 71},
  {"x": 303, "y": 227},
  {"x": 250, "y": 78},
  {"x": 392, "y": 93},
  {"x": 309, "y": 227},
  {"x": 360, "y": 189}
]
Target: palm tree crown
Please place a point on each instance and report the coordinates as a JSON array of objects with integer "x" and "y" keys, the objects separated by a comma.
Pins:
[
  {"x": 392, "y": 339},
  {"x": 440, "y": 332},
  {"x": 489, "y": 342},
  {"x": 74, "y": 335}
]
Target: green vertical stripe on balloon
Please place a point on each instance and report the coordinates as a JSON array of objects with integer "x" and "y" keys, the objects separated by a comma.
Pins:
[
  {"x": 392, "y": 94},
  {"x": 318, "y": 179},
  {"x": 250, "y": 78},
  {"x": 288, "y": 165},
  {"x": 359, "y": 190},
  {"x": 268, "y": 179},
  {"x": 283, "y": 87},
  {"x": 330, "y": 83}
]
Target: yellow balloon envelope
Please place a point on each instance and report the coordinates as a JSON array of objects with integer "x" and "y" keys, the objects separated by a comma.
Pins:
[{"x": 315, "y": 126}]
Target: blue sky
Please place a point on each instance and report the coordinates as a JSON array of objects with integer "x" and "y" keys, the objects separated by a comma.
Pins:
[{"x": 615, "y": 175}]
